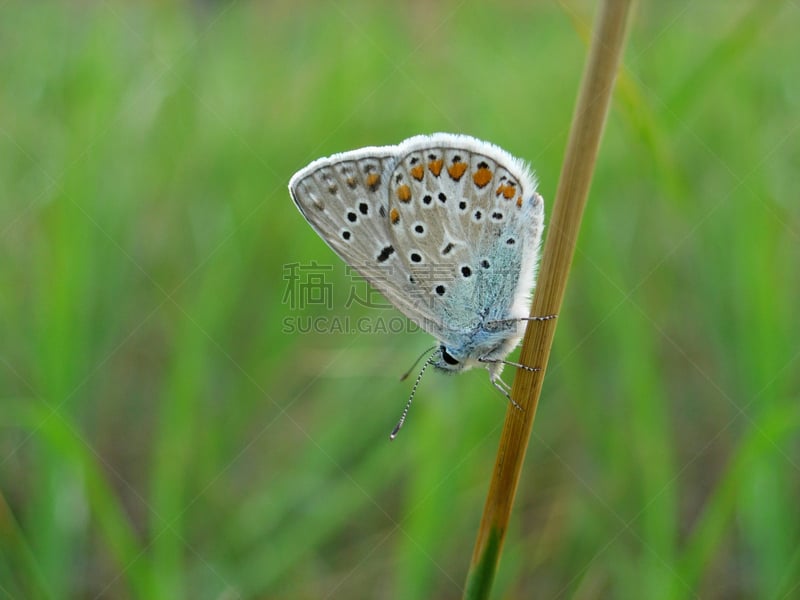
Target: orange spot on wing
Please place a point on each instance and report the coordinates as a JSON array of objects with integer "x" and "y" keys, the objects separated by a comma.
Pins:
[
  {"x": 404, "y": 193},
  {"x": 456, "y": 170},
  {"x": 482, "y": 177},
  {"x": 506, "y": 190},
  {"x": 351, "y": 182},
  {"x": 417, "y": 172},
  {"x": 373, "y": 181},
  {"x": 519, "y": 201},
  {"x": 436, "y": 166},
  {"x": 394, "y": 215}
]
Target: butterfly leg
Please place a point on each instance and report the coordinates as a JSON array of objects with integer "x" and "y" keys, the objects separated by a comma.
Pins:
[
  {"x": 499, "y": 383},
  {"x": 510, "y": 364},
  {"x": 544, "y": 318},
  {"x": 496, "y": 381},
  {"x": 521, "y": 366},
  {"x": 503, "y": 384}
]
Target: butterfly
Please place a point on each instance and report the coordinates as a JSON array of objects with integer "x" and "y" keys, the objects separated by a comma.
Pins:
[{"x": 448, "y": 228}]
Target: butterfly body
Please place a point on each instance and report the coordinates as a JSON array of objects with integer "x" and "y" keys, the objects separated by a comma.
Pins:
[{"x": 446, "y": 227}]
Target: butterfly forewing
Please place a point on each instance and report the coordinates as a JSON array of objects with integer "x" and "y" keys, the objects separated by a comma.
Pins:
[{"x": 344, "y": 198}]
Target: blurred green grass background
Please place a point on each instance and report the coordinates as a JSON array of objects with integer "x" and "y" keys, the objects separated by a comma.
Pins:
[{"x": 163, "y": 436}]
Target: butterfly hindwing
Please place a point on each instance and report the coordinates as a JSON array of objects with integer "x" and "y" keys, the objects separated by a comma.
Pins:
[{"x": 465, "y": 218}]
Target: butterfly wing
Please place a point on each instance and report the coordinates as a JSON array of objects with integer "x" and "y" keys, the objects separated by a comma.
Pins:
[
  {"x": 345, "y": 199},
  {"x": 468, "y": 222}
]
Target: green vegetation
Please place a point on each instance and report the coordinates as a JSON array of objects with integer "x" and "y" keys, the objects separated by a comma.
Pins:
[{"x": 162, "y": 435}]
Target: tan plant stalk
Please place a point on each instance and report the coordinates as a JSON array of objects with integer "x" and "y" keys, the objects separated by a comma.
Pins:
[{"x": 573, "y": 188}]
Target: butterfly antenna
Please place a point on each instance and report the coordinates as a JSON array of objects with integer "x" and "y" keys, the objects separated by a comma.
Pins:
[
  {"x": 402, "y": 420},
  {"x": 405, "y": 375}
]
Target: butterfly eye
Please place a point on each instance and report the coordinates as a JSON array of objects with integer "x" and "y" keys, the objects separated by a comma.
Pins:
[{"x": 446, "y": 356}]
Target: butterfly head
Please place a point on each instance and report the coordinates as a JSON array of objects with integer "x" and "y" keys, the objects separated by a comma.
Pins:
[
  {"x": 487, "y": 355},
  {"x": 448, "y": 360}
]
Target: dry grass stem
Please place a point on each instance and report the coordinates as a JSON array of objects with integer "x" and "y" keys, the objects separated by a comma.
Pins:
[{"x": 584, "y": 141}]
